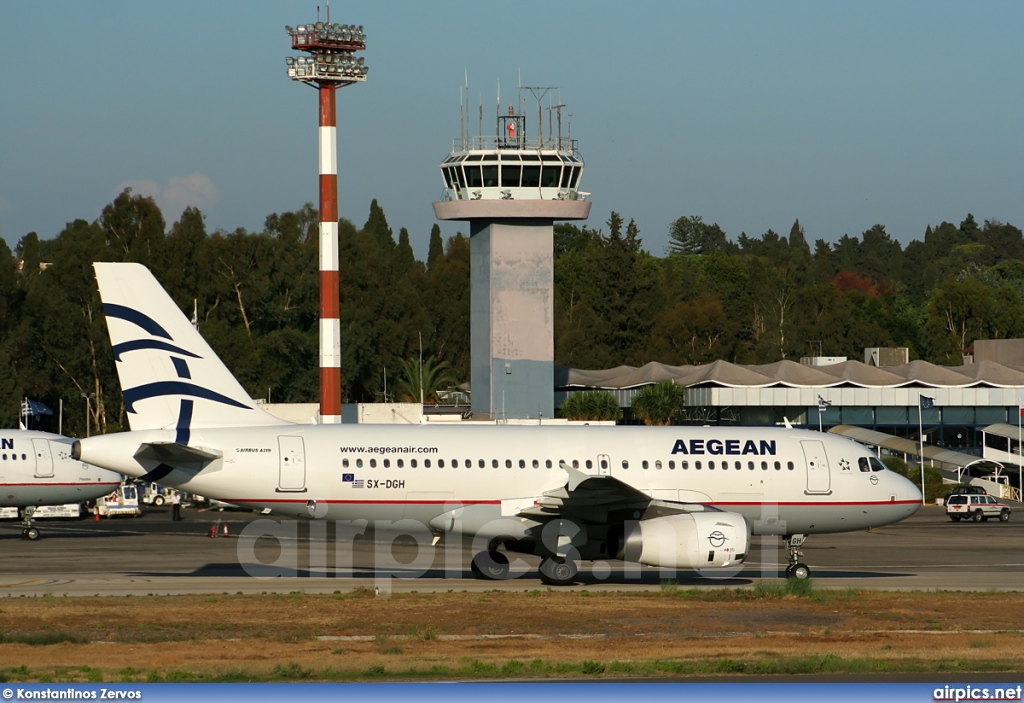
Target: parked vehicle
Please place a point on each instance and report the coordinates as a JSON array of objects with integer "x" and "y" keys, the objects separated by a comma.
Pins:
[
  {"x": 977, "y": 508},
  {"x": 123, "y": 501}
]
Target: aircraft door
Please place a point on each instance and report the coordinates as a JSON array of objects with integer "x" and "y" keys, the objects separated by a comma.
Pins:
[
  {"x": 818, "y": 477},
  {"x": 292, "y": 467},
  {"x": 44, "y": 459},
  {"x": 604, "y": 465}
]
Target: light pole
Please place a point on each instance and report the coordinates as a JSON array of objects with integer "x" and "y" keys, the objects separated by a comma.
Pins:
[
  {"x": 331, "y": 64},
  {"x": 87, "y": 397}
]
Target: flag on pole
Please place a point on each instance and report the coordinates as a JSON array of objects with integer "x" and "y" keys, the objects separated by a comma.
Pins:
[
  {"x": 1021, "y": 409},
  {"x": 822, "y": 404},
  {"x": 927, "y": 403},
  {"x": 34, "y": 408}
]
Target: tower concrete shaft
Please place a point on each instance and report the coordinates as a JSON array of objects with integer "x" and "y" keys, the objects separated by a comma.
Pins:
[{"x": 330, "y": 296}]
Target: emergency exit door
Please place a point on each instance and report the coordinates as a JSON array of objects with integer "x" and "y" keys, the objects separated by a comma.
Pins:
[
  {"x": 44, "y": 459},
  {"x": 292, "y": 468},
  {"x": 819, "y": 480}
]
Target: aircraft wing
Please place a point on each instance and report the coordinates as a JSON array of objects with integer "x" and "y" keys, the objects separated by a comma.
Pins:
[{"x": 587, "y": 497}]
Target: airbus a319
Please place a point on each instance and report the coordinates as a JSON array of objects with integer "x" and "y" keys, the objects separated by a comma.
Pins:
[{"x": 676, "y": 497}]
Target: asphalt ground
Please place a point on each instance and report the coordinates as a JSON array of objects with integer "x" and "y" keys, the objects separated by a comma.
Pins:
[{"x": 153, "y": 555}]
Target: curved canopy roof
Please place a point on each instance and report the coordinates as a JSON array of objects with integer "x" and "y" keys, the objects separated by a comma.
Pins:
[{"x": 794, "y": 375}]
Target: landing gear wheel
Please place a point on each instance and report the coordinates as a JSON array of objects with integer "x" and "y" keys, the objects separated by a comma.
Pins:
[
  {"x": 800, "y": 572},
  {"x": 30, "y": 533},
  {"x": 554, "y": 572},
  {"x": 490, "y": 565}
]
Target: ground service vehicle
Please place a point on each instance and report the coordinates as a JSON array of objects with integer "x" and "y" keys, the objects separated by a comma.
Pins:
[{"x": 977, "y": 508}]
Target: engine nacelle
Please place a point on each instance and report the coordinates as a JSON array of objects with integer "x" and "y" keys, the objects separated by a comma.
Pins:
[{"x": 686, "y": 541}]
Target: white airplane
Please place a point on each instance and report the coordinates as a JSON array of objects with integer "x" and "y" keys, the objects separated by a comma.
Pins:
[
  {"x": 36, "y": 469},
  {"x": 676, "y": 497}
]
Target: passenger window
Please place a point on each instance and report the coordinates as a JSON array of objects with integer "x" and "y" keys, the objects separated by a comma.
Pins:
[
  {"x": 373, "y": 463},
  {"x": 789, "y": 465},
  {"x": 644, "y": 463},
  {"x": 426, "y": 463},
  {"x": 387, "y": 463},
  {"x": 671, "y": 464},
  {"x": 657, "y": 464},
  {"x": 440, "y": 463},
  {"x": 508, "y": 463},
  {"x": 412, "y": 463},
  {"x": 359, "y": 463},
  {"x": 494, "y": 463},
  {"x": 590, "y": 464},
  {"x": 575, "y": 463},
  {"x": 481, "y": 463},
  {"x": 344, "y": 462},
  {"x": 401, "y": 463},
  {"x": 778, "y": 466},
  {"x": 604, "y": 463},
  {"x": 711, "y": 466},
  {"x": 750, "y": 465},
  {"x": 547, "y": 463},
  {"x": 522, "y": 464},
  {"x": 764, "y": 465},
  {"x": 684, "y": 465},
  {"x": 625, "y": 464}
]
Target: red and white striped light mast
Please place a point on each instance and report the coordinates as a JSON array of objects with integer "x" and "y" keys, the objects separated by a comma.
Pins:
[{"x": 331, "y": 63}]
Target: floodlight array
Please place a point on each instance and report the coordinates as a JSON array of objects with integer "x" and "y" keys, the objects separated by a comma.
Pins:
[
  {"x": 332, "y": 50},
  {"x": 323, "y": 32}
]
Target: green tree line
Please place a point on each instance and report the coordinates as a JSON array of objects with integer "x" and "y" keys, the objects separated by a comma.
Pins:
[{"x": 256, "y": 295}]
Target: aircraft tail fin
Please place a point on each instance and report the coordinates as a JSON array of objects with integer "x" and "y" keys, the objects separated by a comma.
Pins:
[{"x": 170, "y": 377}]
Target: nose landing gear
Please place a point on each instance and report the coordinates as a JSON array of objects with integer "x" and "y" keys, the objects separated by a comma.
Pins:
[{"x": 796, "y": 569}]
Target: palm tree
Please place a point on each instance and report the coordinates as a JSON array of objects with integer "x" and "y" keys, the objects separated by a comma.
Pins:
[
  {"x": 424, "y": 381},
  {"x": 658, "y": 403},
  {"x": 591, "y": 405}
]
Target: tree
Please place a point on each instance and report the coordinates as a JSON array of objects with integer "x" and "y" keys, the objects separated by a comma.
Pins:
[
  {"x": 591, "y": 406},
  {"x": 690, "y": 235},
  {"x": 658, "y": 403},
  {"x": 426, "y": 381}
]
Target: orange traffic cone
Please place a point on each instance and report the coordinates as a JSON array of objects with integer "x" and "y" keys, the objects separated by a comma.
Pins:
[
  {"x": 213, "y": 531},
  {"x": 224, "y": 532},
  {"x": 96, "y": 516}
]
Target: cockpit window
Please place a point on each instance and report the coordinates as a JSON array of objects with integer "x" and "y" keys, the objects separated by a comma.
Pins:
[{"x": 870, "y": 463}]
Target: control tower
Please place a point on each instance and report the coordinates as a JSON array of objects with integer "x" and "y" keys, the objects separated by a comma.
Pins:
[{"x": 511, "y": 187}]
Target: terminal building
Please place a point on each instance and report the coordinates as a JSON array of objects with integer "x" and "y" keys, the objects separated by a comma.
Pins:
[{"x": 970, "y": 415}]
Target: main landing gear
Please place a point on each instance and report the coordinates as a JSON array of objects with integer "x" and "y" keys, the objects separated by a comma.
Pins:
[
  {"x": 491, "y": 565},
  {"x": 796, "y": 569},
  {"x": 556, "y": 571},
  {"x": 29, "y": 531}
]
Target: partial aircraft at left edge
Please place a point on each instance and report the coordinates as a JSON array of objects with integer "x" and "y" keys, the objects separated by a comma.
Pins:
[{"x": 36, "y": 469}]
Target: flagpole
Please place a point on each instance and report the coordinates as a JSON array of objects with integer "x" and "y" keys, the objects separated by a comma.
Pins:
[{"x": 920, "y": 434}]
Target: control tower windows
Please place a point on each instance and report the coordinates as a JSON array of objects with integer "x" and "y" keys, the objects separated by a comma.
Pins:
[
  {"x": 531, "y": 176},
  {"x": 510, "y": 175},
  {"x": 490, "y": 174},
  {"x": 473, "y": 177}
]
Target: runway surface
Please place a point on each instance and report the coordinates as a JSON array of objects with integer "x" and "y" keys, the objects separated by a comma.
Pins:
[{"x": 153, "y": 555}]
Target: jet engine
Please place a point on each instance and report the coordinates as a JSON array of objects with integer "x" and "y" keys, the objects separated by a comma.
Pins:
[{"x": 685, "y": 541}]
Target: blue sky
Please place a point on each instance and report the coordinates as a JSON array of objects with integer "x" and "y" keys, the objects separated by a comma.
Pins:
[{"x": 749, "y": 114}]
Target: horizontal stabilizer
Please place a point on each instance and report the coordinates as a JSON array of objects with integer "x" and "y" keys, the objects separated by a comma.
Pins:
[{"x": 174, "y": 453}]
